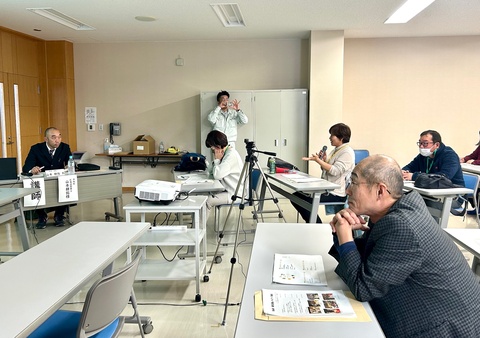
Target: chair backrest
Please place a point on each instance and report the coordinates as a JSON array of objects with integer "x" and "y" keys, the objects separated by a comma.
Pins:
[
  {"x": 360, "y": 154},
  {"x": 255, "y": 178},
  {"x": 107, "y": 298},
  {"x": 471, "y": 182}
]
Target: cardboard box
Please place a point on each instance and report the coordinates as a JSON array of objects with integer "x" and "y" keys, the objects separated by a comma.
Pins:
[{"x": 143, "y": 144}]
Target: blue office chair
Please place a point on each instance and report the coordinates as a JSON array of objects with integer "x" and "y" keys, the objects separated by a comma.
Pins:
[
  {"x": 100, "y": 316},
  {"x": 472, "y": 182},
  {"x": 360, "y": 154}
]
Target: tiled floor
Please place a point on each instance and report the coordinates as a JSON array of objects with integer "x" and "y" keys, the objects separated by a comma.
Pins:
[{"x": 171, "y": 304}]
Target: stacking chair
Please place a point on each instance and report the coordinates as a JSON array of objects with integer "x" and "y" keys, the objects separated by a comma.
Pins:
[
  {"x": 472, "y": 182},
  {"x": 100, "y": 316},
  {"x": 360, "y": 154}
]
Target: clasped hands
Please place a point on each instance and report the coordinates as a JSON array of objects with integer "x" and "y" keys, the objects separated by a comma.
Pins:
[{"x": 344, "y": 222}]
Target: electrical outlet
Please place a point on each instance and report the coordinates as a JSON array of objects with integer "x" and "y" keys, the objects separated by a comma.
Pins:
[
  {"x": 100, "y": 126},
  {"x": 90, "y": 127}
]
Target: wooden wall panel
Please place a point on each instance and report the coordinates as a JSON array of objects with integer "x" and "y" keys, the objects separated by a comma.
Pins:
[
  {"x": 7, "y": 52},
  {"x": 27, "y": 56}
]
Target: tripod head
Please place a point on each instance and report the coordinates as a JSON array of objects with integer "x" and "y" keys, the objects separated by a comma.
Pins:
[{"x": 251, "y": 148}]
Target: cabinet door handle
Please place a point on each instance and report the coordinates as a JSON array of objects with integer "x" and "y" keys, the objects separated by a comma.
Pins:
[
  {"x": 276, "y": 143},
  {"x": 284, "y": 142}
]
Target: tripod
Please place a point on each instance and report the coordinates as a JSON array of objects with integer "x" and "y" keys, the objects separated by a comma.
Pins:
[{"x": 246, "y": 174}]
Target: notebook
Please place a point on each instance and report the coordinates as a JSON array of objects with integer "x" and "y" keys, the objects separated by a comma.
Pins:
[{"x": 8, "y": 168}]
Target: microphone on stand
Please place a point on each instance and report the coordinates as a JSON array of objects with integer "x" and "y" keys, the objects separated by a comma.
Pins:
[{"x": 321, "y": 152}]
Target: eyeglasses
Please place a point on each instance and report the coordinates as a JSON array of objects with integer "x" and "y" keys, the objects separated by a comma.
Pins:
[
  {"x": 349, "y": 183},
  {"x": 424, "y": 144}
]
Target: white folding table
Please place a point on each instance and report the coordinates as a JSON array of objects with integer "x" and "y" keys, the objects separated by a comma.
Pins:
[
  {"x": 438, "y": 201},
  {"x": 295, "y": 238},
  {"x": 470, "y": 240},
  {"x": 39, "y": 281}
]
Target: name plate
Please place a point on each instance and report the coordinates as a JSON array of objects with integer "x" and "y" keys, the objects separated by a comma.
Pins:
[{"x": 55, "y": 172}]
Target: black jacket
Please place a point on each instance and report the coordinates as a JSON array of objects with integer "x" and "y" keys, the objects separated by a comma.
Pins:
[{"x": 39, "y": 156}]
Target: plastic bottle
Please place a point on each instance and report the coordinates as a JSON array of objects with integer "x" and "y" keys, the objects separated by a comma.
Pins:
[
  {"x": 161, "y": 148},
  {"x": 71, "y": 166},
  {"x": 106, "y": 146},
  {"x": 271, "y": 165}
]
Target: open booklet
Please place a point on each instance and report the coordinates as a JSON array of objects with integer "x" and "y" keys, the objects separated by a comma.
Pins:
[
  {"x": 306, "y": 303},
  {"x": 299, "y": 269}
]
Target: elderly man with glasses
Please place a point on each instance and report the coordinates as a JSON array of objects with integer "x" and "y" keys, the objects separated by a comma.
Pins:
[
  {"x": 434, "y": 158},
  {"x": 415, "y": 278}
]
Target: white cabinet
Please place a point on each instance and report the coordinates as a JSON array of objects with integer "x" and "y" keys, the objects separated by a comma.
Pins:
[
  {"x": 281, "y": 124},
  {"x": 194, "y": 237},
  {"x": 278, "y": 122}
]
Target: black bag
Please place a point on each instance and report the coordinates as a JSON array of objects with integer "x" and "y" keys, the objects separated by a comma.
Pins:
[
  {"x": 437, "y": 181},
  {"x": 191, "y": 162},
  {"x": 279, "y": 163},
  {"x": 433, "y": 181},
  {"x": 87, "y": 167}
]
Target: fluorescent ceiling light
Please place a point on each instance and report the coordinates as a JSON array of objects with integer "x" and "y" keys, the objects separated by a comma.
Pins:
[
  {"x": 408, "y": 10},
  {"x": 61, "y": 18},
  {"x": 229, "y": 14}
]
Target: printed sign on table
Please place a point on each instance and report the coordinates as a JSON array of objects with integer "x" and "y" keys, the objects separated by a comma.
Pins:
[
  {"x": 67, "y": 188},
  {"x": 38, "y": 198}
]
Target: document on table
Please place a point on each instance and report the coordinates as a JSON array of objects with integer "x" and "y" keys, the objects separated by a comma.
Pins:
[
  {"x": 306, "y": 303},
  {"x": 299, "y": 269},
  {"x": 297, "y": 178},
  {"x": 195, "y": 178}
]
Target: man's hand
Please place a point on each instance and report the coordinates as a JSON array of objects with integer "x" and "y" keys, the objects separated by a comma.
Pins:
[
  {"x": 36, "y": 170},
  {"x": 407, "y": 176},
  {"x": 236, "y": 104},
  {"x": 344, "y": 222}
]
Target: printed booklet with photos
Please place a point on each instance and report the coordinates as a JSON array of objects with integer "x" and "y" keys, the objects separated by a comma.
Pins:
[
  {"x": 299, "y": 269},
  {"x": 306, "y": 303}
]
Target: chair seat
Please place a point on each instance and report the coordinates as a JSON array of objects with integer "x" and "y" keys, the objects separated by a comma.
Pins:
[{"x": 64, "y": 324}]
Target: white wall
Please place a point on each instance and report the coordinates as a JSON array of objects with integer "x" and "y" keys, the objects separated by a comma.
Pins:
[
  {"x": 396, "y": 88},
  {"x": 393, "y": 88},
  {"x": 138, "y": 85}
]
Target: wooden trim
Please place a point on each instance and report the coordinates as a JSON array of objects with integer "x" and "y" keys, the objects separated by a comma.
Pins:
[{"x": 128, "y": 189}]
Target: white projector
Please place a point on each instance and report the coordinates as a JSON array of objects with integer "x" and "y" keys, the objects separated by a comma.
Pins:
[{"x": 157, "y": 191}]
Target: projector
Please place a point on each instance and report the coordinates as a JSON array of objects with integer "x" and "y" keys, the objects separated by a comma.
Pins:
[{"x": 157, "y": 191}]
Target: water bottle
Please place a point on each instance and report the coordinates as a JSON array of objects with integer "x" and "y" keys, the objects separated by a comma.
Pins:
[
  {"x": 271, "y": 165},
  {"x": 161, "y": 148},
  {"x": 71, "y": 166},
  {"x": 106, "y": 146}
]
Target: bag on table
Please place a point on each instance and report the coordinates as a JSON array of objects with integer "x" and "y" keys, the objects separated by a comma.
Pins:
[
  {"x": 282, "y": 166},
  {"x": 437, "y": 181},
  {"x": 191, "y": 162}
]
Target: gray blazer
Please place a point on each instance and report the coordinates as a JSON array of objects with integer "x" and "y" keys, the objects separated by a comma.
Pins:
[{"x": 415, "y": 278}]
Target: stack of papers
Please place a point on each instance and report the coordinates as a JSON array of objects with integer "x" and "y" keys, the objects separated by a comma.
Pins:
[
  {"x": 297, "y": 178},
  {"x": 306, "y": 303},
  {"x": 195, "y": 179}
]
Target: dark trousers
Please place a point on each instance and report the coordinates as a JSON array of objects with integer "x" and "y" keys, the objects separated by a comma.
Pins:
[
  {"x": 59, "y": 212},
  {"x": 323, "y": 198}
]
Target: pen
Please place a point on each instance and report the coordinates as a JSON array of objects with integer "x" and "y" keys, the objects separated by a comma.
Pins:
[{"x": 30, "y": 171}]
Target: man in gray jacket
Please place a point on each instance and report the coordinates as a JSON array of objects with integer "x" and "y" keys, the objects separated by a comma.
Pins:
[{"x": 415, "y": 278}]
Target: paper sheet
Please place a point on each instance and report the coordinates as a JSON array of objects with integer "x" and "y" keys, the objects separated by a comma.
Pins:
[
  {"x": 358, "y": 308},
  {"x": 297, "y": 178},
  {"x": 299, "y": 270}
]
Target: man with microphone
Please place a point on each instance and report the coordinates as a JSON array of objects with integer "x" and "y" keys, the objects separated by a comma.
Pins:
[
  {"x": 48, "y": 155},
  {"x": 336, "y": 167}
]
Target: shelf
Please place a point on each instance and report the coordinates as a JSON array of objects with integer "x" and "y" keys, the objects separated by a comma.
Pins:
[
  {"x": 152, "y": 269},
  {"x": 168, "y": 238}
]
